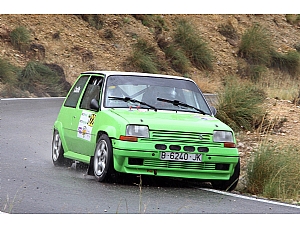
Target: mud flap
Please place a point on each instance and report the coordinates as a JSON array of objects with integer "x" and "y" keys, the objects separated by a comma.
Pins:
[{"x": 90, "y": 170}]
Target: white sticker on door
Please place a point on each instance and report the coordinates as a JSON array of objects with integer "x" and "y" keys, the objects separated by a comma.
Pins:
[{"x": 85, "y": 125}]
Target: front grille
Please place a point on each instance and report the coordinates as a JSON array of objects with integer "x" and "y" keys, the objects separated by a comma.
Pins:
[
  {"x": 178, "y": 136},
  {"x": 179, "y": 165}
]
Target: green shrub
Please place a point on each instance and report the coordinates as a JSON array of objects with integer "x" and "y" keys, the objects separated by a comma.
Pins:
[
  {"x": 144, "y": 57},
  {"x": 273, "y": 172},
  {"x": 39, "y": 79},
  {"x": 20, "y": 38},
  {"x": 152, "y": 21},
  {"x": 240, "y": 105},
  {"x": 9, "y": 91},
  {"x": 293, "y": 18},
  {"x": 179, "y": 61},
  {"x": 193, "y": 45},
  {"x": 256, "y": 72},
  {"x": 256, "y": 46},
  {"x": 289, "y": 62},
  {"x": 8, "y": 72}
]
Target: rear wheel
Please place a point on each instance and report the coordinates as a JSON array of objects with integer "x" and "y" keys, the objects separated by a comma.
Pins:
[
  {"x": 103, "y": 159},
  {"x": 230, "y": 184},
  {"x": 58, "y": 151}
]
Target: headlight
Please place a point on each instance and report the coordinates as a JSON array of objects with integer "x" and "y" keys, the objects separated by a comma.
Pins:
[
  {"x": 222, "y": 136},
  {"x": 137, "y": 131}
]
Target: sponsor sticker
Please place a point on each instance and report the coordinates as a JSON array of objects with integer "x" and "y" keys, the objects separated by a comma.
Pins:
[{"x": 85, "y": 125}]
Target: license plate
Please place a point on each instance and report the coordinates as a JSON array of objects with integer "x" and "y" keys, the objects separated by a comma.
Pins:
[{"x": 176, "y": 156}]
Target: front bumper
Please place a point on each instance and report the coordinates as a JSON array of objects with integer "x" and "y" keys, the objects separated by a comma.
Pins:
[{"x": 143, "y": 158}]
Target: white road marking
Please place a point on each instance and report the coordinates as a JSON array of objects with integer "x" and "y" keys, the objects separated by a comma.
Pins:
[
  {"x": 250, "y": 198},
  {"x": 30, "y": 98}
]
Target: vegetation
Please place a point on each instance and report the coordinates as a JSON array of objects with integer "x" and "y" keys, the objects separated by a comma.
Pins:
[
  {"x": 8, "y": 72},
  {"x": 256, "y": 46},
  {"x": 94, "y": 20},
  {"x": 293, "y": 18},
  {"x": 20, "y": 38},
  {"x": 273, "y": 172},
  {"x": 36, "y": 78},
  {"x": 179, "y": 61},
  {"x": 152, "y": 21},
  {"x": 193, "y": 45},
  {"x": 240, "y": 105},
  {"x": 40, "y": 79},
  {"x": 228, "y": 31},
  {"x": 288, "y": 62},
  {"x": 144, "y": 57}
]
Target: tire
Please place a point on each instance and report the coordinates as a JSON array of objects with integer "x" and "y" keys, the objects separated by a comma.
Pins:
[
  {"x": 103, "y": 160},
  {"x": 58, "y": 151},
  {"x": 230, "y": 184}
]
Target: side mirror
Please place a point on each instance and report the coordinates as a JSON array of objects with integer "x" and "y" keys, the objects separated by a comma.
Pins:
[
  {"x": 213, "y": 110},
  {"x": 94, "y": 105}
]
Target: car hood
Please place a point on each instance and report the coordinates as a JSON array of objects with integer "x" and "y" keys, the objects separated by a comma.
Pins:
[{"x": 171, "y": 120}]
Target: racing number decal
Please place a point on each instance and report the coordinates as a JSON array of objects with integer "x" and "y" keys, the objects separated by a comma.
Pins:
[
  {"x": 85, "y": 125},
  {"x": 91, "y": 119}
]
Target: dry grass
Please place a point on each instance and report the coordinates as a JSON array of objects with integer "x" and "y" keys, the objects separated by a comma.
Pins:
[
  {"x": 274, "y": 172},
  {"x": 279, "y": 85}
]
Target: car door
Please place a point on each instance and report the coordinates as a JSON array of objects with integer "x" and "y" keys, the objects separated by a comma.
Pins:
[
  {"x": 68, "y": 113},
  {"x": 84, "y": 117}
]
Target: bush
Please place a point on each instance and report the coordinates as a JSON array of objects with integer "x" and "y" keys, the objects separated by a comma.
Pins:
[
  {"x": 240, "y": 105},
  {"x": 293, "y": 19},
  {"x": 20, "y": 38},
  {"x": 256, "y": 72},
  {"x": 193, "y": 46},
  {"x": 179, "y": 61},
  {"x": 289, "y": 62},
  {"x": 256, "y": 46},
  {"x": 152, "y": 21},
  {"x": 144, "y": 57},
  {"x": 274, "y": 172},
  {"x": 39, "y": 79},
  {"x": 8, "y": 72}
]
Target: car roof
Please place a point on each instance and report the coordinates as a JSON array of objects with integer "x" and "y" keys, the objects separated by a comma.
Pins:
[{"x": 108, "y": 73}]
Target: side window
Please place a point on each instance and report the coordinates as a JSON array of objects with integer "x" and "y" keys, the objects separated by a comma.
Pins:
[
  {"x": 74, "y": 95},
  {"x": 92, "y": 92}
]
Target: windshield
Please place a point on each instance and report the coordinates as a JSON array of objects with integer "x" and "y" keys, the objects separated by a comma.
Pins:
[{"x": 157, "y": 92}]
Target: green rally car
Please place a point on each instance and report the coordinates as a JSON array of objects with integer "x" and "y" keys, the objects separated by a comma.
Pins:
[{"x": 148, "y": 124}]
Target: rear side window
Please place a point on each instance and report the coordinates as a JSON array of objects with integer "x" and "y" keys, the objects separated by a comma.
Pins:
[
  {"x": 74, "y": 95},
  {"x": 92, "y": 91}
]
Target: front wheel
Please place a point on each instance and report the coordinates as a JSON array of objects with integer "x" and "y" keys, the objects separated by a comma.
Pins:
[
  {"x": 58, "y": 151},
  {"x": 103, "y": 159},
  {"x": 230, "y": 184}
]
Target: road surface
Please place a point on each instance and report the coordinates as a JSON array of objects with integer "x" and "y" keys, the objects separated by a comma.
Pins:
[{"x": 30, "y": 184}]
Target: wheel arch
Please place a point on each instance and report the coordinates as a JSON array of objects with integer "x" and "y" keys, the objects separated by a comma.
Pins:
[
  {"x": 59, "y": 127},
  {"x": 109, "y": 131}
]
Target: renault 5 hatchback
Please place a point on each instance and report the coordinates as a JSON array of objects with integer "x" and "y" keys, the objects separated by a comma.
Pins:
[{"x": 146, "y": 124}]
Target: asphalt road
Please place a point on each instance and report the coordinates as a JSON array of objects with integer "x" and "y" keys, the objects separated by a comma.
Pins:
[{"x": 30, "y": 184}]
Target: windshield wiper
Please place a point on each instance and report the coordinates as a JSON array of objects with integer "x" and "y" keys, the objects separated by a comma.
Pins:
[
  {"x": 179, "y": 103},
  {"x": 126, "y": 99}
]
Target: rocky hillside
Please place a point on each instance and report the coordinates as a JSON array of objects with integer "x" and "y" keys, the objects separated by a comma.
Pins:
[{"x": 76, "y": 46}]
